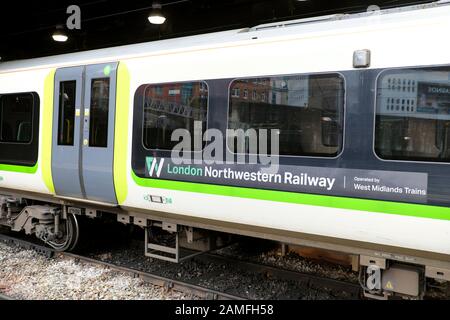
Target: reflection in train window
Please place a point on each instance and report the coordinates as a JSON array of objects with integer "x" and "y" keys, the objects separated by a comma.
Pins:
[
  {"x": 172, "y": 106},
  {"x": 307, "y": 110},
  {"x": 422, "y": 132},
  {"x": 66, "y": 120},
  {"x": 16, "y": 118},
  {"x": 98, "y": 124}
]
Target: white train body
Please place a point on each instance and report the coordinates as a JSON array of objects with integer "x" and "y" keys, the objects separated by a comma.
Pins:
[{"x": 396, "y": 39}]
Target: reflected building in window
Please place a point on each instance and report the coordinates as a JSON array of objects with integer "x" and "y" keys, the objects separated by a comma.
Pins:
[
  {"x": 413, "y": 115},
  {"x": 172, "y": 106},
  {"x": 306, "y": 109}
]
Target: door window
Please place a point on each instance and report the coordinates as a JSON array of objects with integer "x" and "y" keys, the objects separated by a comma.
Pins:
[
  {"x": 98, "y": 125},
  {"x": 66, "y": 120}
]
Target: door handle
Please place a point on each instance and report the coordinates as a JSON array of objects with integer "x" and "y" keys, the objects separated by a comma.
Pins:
[{"x": 86, "y": 127}]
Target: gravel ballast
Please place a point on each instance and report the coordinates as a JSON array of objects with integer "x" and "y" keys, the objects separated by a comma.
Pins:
[{"x": 25, "y": 274}]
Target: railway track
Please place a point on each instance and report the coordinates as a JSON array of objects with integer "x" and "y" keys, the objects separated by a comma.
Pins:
[
  {"x": 350, "y": 290},
  {"x": 25, "y": 244},
  {"x": 157, "y": 280},
  {"x": 353, "y": 291}
]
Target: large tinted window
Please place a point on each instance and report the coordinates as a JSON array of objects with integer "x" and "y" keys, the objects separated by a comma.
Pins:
[
  {"x": 19, "y": 128},
  {"x": 413, "y": 115},
  {"x": 306, "y": 109},
  {"x": 172, "y": 106},
  {"x": 16, "y": 115}
]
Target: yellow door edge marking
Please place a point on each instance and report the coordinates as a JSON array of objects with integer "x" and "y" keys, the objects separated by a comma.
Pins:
[
  {"x": 121, "y": 132},
  {"x": 47, "y": 127}
]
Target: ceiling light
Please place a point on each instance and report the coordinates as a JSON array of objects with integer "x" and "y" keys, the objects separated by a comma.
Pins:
[
  {"x": 156, "y": 16},
  {"x": 60, "y": 35}
]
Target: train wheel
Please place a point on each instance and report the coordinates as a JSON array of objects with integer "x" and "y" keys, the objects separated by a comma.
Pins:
[{"x": 70, "y": 233}]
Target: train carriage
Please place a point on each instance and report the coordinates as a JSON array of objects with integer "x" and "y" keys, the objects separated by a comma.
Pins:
[{"x": 362, "y": 108}]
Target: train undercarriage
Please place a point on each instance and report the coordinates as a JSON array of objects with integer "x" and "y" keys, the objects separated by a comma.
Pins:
[
  {"x": 382, "y": 275},
  {"x": 49, "y": 223}
]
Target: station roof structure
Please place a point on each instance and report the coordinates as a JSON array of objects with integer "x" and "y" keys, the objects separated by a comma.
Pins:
[{"x": 26, "y": 28}]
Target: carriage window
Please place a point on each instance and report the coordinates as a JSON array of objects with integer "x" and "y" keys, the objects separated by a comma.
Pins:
[
  {"x": 19, "y": 128},
  {"x": 66, "y": 121},
  {"x": 421, "y": 131},
  {"x": 16, "y": 117},
  {"x": 306, "y": 109},
  {"x": 98, "y": 123},
  {"x": 172, "y": 106}
]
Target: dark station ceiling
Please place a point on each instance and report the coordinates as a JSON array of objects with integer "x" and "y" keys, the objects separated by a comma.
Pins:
[{"x": 26, "y": 28}]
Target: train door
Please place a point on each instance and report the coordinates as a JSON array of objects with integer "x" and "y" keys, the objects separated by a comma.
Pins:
[{"x": 83, "y": 132}]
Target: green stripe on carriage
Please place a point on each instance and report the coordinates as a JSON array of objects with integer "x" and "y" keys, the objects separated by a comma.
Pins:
[
  {"x": 20, "y": 169},
  {"x": 378, "y": 206}
]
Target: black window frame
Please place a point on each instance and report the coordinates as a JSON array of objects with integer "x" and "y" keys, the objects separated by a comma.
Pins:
[{"x": 23, "y": 153}]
